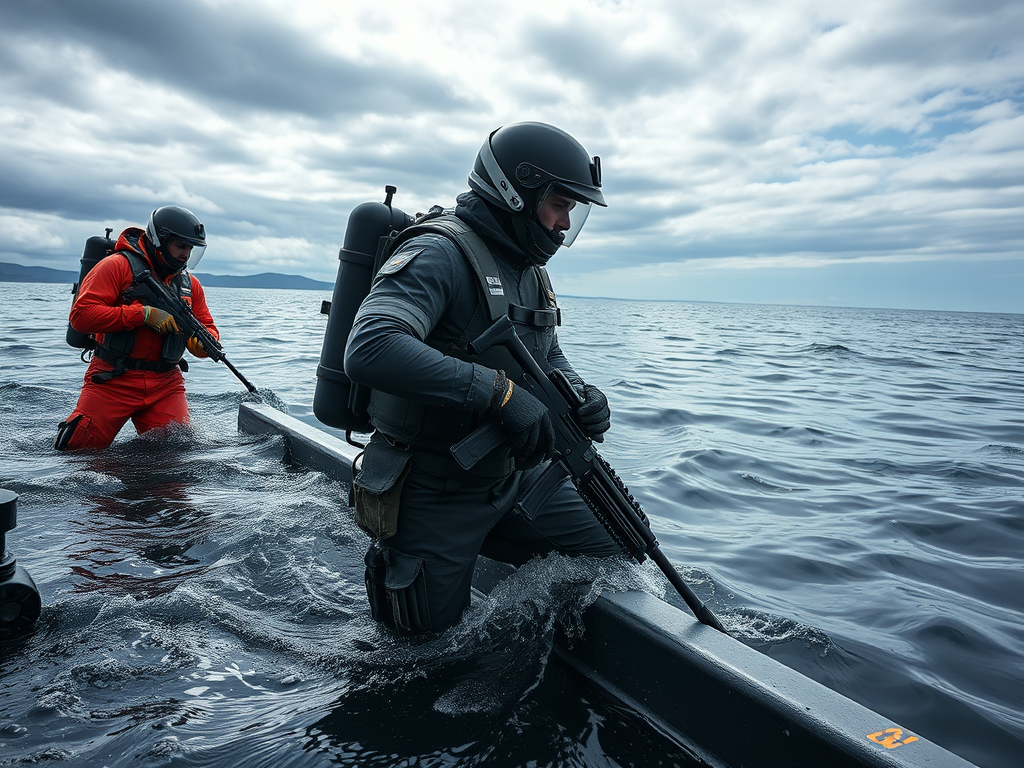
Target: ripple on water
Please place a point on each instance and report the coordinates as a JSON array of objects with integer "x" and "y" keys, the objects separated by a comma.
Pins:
[{"x": 847, "y": 501}]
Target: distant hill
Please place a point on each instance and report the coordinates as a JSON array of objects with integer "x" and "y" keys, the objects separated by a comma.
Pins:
[
  {"x": 264, "y": 280},
  {"x": 16, "y": 273}
]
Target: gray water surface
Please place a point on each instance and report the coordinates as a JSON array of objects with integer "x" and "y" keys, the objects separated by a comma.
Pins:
[{"x": 842, "y": 486}]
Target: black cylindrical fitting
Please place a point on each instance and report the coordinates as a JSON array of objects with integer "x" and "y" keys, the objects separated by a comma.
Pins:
[
  {"x": 8, "y": 521},
  {"x": 20, "y": 604}
]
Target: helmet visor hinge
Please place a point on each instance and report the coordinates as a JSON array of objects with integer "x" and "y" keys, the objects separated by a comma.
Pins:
[{"x": 501, "y": 184}]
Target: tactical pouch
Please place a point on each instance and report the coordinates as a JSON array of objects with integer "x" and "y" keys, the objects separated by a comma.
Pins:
[
  {"x": 396, "y": 587},
  {"x": 377, "y": 488},
  {"x": 406, "y": 587}
]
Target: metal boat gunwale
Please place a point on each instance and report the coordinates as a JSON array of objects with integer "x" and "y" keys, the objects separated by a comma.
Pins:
[{"x": 747, "y": 709}]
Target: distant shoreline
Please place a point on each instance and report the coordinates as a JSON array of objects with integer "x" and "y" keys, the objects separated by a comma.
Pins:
[{"x": 17, "y": 273}]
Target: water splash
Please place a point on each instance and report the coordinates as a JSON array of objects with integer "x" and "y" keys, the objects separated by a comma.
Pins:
[
  {"x": 266, "y": 397},
  {"x": 762, "y": 630}
]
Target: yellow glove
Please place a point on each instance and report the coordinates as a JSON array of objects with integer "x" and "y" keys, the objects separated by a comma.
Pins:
[
  {"x": 159, "y": 321},
  {"x": 195, "y": 346}
]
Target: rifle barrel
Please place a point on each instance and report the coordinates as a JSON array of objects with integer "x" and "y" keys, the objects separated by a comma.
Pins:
[
  {"x": 184, "y": 315},
  {"x": 700, "y": 610},
  {"x": 596, "y": 481},
  {"x": 241, "y": 378},
  {"x": 635, "y": 533}
]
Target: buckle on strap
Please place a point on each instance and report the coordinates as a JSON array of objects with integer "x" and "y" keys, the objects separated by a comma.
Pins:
[
  {"x": 542, "y": 318},
  {"x": 125, "y": 363}
]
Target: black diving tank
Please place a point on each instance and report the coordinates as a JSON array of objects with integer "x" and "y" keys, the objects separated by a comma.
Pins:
[
  {"x": 96, "y": 249},
  {"x": 337, "y": 402}
]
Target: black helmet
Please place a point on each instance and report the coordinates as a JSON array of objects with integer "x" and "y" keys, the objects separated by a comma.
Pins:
[
  {"x": 521, "y": 164},
  {"x": 174, "y": 221}
]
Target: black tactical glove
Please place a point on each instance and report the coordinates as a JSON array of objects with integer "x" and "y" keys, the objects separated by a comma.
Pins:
[
  {"x": 594, "y": 414},
  {"x": 525, "y": 421}
]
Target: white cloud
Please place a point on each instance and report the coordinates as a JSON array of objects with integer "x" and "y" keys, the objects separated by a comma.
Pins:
[
  {"x": 173, "y": 190},
  {"x": 20, "y": 233},
  {"x": 264, "y": 254},
  {"x": 801, "y": 130}
]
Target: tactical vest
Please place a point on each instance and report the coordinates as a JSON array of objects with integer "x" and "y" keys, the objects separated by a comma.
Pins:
[
  {"x": 436, "y": 428},
  {"x": 117, "y": 346}
]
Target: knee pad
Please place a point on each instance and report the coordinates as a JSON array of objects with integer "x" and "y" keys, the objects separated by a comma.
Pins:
[
  {"x": 65, "y": 431},
  {"x": 396, "y": 587}
]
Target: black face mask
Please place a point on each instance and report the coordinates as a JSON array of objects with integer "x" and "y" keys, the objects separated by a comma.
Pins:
[
  {"x": 537, "y": 241},
  {"x": 164, "y": 265},
  {"x": 533, "y": 243}
]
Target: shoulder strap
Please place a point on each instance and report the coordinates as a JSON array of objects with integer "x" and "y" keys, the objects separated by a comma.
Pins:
[
  {"x": 545, "y": 283},
  {"x": 552, "y": 316},
  {"x": 136, "y": 262},
  {"x": 138, "y": 266},
  {"x": 476, "y": 252}
]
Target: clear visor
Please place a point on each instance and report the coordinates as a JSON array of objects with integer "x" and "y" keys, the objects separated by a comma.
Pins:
[
  {"x": 196, "y": 255},
  {"x": 175, "y": 250},
  {"x": 559, "y": 211}
]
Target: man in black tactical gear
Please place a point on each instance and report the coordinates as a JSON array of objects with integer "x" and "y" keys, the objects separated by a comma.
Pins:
[{"x": 447, "y": 279}]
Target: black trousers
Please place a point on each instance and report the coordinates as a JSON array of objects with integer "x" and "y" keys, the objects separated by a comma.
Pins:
[{"x": 419, "y": 579}]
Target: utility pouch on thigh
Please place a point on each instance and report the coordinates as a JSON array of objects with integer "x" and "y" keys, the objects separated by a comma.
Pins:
[
  {"x": 396, "y": 587},
  {"x": 406, "y": 587},
  {"x": 377, "y": 488}
]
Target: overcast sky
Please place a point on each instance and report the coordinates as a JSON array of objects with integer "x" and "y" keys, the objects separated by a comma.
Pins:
[{"x": 866, "y": 153}]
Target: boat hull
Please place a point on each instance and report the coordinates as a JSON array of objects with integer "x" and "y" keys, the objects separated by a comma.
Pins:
[{"x": 727, "y": 703}]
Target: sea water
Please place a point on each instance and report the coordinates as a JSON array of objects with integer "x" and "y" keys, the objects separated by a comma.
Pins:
[{"x": 843, "y": 487}]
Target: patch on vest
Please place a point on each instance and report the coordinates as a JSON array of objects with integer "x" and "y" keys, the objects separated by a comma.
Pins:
[
  {"x": 494, "y": 286},
  {"x": 399, "y": 260}
]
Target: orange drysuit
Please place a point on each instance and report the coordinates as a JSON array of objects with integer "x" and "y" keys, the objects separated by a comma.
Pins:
[{"x": 150, "y": 398}]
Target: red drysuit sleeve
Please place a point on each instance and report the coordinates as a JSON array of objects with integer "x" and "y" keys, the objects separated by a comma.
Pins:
[{"x": 97, "y": 308}]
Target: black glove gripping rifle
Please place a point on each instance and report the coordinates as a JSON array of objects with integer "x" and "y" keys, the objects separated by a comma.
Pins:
[
  {"x": 598, "y": 485},
  {"x": 190, "y": 324}
]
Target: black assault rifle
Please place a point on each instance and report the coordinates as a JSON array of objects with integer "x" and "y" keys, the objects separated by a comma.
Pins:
[
  {"x": 598, "y": 485},
  {"x": 190, "y": 324}
]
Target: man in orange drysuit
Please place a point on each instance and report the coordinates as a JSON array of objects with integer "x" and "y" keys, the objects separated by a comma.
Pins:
[{"x": 137, "y": 363}]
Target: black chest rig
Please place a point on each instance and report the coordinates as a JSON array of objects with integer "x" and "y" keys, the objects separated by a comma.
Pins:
[
  {"x": 535, "y": 316},
  {"x": 117, "y": 346}
]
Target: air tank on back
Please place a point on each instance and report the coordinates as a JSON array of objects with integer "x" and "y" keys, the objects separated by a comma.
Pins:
[
  {"x": 337, "y": 402},
  {"x": 96, "y": 249}
]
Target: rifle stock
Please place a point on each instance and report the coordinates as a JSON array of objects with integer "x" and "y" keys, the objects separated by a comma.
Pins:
[
  {"x": 190, "y": 324},
  {"x": 595, "y": 480}
]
